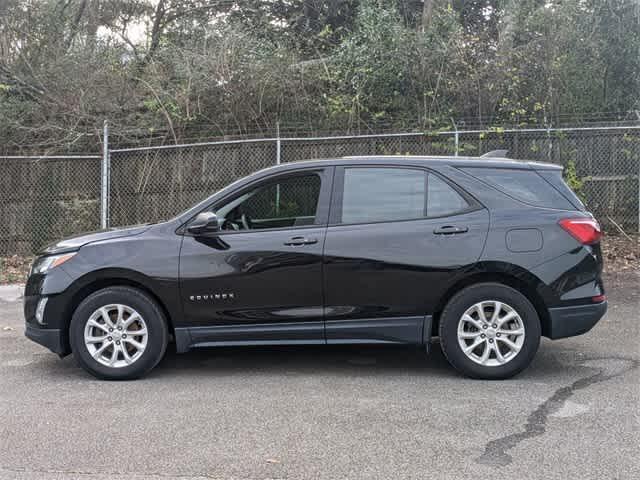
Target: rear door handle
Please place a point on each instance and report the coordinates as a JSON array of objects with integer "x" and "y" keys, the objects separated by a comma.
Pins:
[
  {"x": 297, "y": 241},
  {"x": 450, "y": 230}
]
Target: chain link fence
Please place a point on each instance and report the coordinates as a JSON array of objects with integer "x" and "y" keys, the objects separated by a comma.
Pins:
[
  {"x": 46, "y": 198},
  {"x": 43, "y": 199},
  {"x": 152, "y": 184}
]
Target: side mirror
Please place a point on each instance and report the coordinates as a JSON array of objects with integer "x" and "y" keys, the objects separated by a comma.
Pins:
[{"x": 205, "y": 222}]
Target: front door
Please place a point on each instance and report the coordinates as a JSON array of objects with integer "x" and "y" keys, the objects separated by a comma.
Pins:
[
  {"x": 396, "y": 238},
  {"x": 259, "y": 280}
]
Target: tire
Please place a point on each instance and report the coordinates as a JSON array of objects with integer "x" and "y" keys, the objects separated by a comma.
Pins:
[
  {"x": 93, "y": 337},
  {"x": 461, "y": 324}
]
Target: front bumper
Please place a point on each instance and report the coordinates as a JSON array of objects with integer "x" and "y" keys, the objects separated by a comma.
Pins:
[
  {"x": 575, "y": 320},
  {"x": 51, "y": 338},
  {"x": 49, "y": 334},
  {"x": 52, "y": 331}
]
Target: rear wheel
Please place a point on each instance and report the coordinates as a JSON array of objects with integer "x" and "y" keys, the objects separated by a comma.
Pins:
[
  {"x": 118, "y": 333},
  {"x": 489, "y": 331}
]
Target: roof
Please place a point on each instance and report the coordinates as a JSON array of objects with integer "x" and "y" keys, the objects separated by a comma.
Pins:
[{"x": 489, "y": 162}]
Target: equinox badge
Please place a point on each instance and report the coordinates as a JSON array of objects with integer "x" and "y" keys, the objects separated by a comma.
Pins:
[{"x": 212, "y": 296}]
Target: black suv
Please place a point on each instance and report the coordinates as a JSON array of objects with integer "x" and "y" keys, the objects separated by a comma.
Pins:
[{"x": 486, "y": 254}]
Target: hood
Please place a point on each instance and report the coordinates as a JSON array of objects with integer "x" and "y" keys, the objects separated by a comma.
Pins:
[{"x": 74, "y": 243}]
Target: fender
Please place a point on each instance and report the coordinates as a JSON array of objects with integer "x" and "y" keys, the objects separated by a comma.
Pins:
[
  {"x": 533, "y": 282},
  {"x": 164, "y": 290}
]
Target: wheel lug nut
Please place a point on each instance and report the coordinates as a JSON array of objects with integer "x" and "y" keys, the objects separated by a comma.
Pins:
[
  {"x": 497, "y": 334},
  {"x": 485, "y": 326},
  {"x": 494, "y": 325},
  {"x": 124, "y": 335},
  {"x": 490, "y": 340},
  {"x": 109, "y": 338},
  {"x": 111, "y": 329},
  {"x": 118, "y": 342},
  {"x": 482, "y": 336},
  {"x": 119, "y": 328}
]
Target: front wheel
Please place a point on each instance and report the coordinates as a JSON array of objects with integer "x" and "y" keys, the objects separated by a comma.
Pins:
[
  {"x": 489, "y": 331},
  {"x": 118, "y": 333}
]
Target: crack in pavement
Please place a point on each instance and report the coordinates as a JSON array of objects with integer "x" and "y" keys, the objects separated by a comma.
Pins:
[{"x": 495, "y": 452}]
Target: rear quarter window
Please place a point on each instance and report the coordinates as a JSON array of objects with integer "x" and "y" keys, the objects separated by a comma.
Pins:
[
  {"x": 524, "y": 185},
  {"x": 442, "y": 199},
  {"x": 554, "y": 177}
]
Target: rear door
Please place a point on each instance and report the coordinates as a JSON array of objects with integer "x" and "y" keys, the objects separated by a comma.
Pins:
[{"x": 397, "y": 236}]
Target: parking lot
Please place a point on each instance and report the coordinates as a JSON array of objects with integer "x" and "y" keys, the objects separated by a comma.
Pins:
[{"x": 325, "y": 412}]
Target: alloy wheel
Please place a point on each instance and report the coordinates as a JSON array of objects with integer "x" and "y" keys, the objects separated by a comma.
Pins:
[
  {"x": 491, "y": 333},
  {"x": 116, "y": 335}
]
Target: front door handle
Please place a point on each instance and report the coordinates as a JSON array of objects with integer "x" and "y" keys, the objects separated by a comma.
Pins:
[
  {"x": 296, "y": 241},
  {"x": 450, "y": 230}
]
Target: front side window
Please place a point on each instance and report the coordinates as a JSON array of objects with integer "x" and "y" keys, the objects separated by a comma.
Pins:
[{"x": 287, "y": 202}]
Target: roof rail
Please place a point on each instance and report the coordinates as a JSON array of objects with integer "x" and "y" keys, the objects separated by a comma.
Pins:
[{"x": 496, "y": 154}]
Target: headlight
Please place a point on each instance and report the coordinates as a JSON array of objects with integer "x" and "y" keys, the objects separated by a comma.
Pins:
[{"x": 44, "y": 264}]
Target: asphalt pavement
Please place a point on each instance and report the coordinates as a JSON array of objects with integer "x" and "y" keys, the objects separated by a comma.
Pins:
[{"x": 328, "y": 412}]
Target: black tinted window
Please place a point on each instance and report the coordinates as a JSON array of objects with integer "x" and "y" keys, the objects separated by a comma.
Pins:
[
  {"x": 443, "y": 199},
  {"x": 383, "y": 194},
  {"x": 524, "y": 185},
  {"x": 289, "y": 202},
  {"x": 554, "y": 177}
]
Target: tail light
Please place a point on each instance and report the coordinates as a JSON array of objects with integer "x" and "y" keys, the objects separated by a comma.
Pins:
[{"x": 585, "y": 230}]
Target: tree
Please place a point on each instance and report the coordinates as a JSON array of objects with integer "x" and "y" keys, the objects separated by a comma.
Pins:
[{"x": 170, "y": 70}]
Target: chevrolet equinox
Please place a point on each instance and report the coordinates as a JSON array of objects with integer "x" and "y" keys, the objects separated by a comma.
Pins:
[{"x": 487, "y": 254}]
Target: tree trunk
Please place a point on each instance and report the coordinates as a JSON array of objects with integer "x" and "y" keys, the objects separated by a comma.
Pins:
[
  {"x": 156, "y": 31},
  {"x": 427, "y": 14},
  {"x": 506, "y": 30}
]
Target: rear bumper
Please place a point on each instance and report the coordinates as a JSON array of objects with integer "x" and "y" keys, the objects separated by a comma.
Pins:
[
  {"x": 576, "y": 320},
  {"x": 47, "y": 337}
]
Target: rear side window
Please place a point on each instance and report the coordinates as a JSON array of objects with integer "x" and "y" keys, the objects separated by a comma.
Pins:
[
  {"x": 524, "y": 185},
  {"x": 383, "y": 194},
  {"x": 390, "y": 194}
]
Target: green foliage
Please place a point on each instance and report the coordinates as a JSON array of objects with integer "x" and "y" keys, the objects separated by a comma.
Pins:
[
  {"x": 190, "y": 69},
  {"x": 369, "y": 72},
  {"x": 575, "y": 182}
]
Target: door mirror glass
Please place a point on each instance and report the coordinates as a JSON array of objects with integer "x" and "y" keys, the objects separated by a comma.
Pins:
[{"x": 205, "y": 222}]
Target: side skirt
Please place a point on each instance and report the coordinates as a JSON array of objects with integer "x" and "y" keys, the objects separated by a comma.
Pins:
[
  {"x": 403, "y": 330},
  {"x": 291, "y": 333},
  {"x": 396, "y": 330}
]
